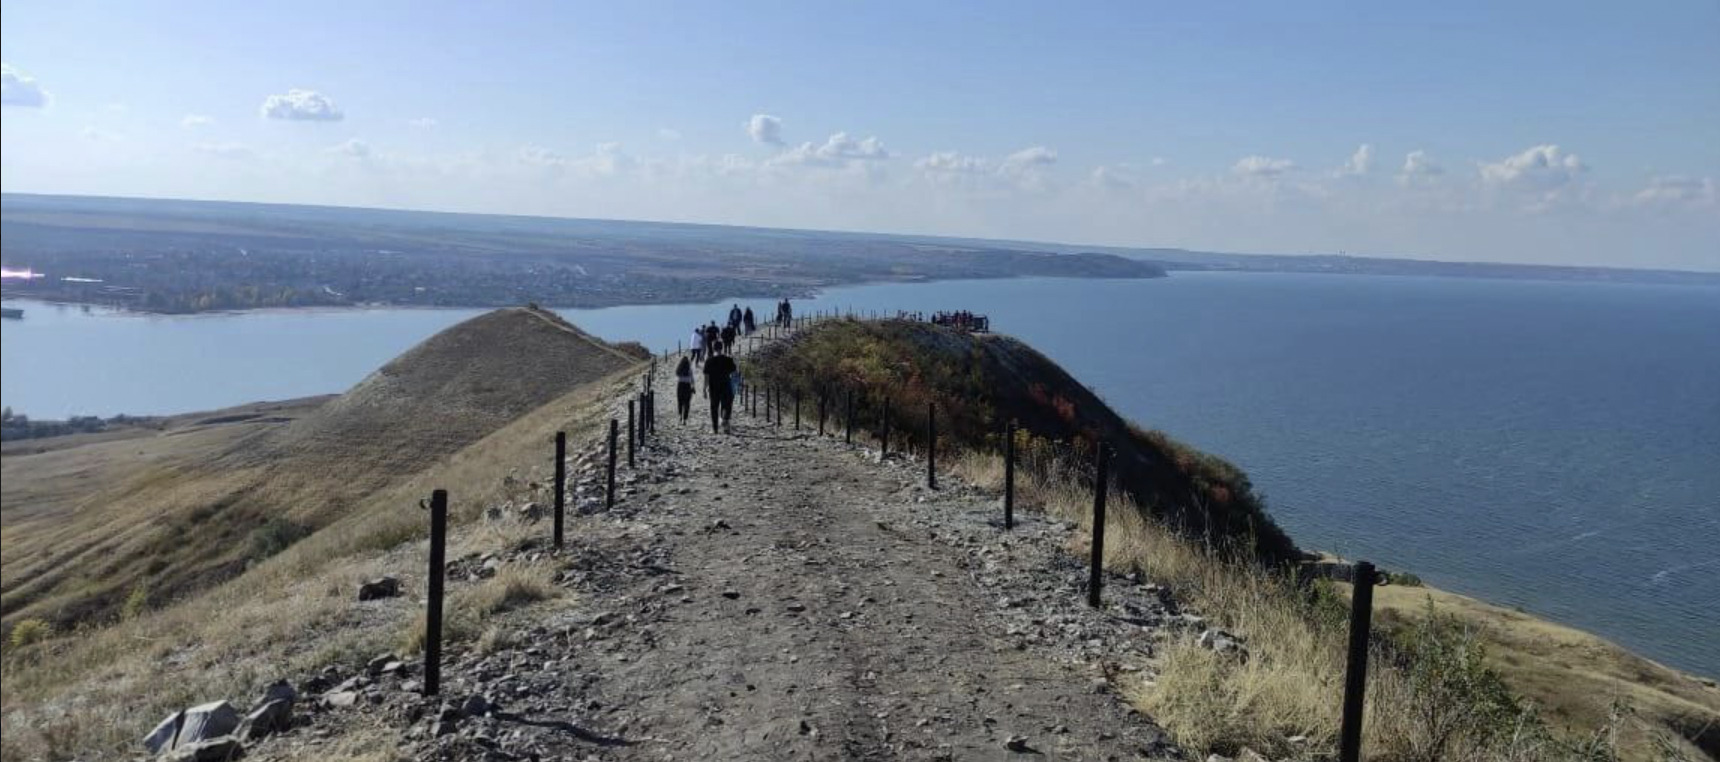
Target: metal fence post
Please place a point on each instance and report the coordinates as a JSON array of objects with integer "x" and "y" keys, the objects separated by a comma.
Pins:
[
  {"x": 848, "y": 434},
  {"x": 560, "y": 481},
  {"x": 797, "y": 410},
  {"x": 437, "y": 575},
  {"x": 1096, "y": 578},
  {"x": 614, "y": 434},
  {"x": 1009, "y": 477},
  {"x": 776, "y": 397},
  {"x": 1356, "y": 675},
  {"x": 931, "y": 445},
  {"x": 632, "y": 432}
]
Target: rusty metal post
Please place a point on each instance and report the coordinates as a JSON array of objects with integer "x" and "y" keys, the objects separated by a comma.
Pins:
[
  {"x": 1356, "y": 675},
  {"x": 560, "y": 481},
  {"x": 931, "y": 445},
  {"x": 438, "y": 574},
  {"x": 1097, "y": 577},
  {"x": 614, "y": 434},
  {"x": 1009, "y": 477}
]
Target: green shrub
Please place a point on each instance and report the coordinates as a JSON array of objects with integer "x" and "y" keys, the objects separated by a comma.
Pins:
[
  {"x": 30, "y": 631},
  {"x": 275, "y": 536}
]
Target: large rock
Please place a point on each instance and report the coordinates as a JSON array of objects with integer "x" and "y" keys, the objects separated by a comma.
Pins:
[
  {"x": 161, "y": 738},
  {"x": 190, "y": 726},
  {"x": 376, "y": 589},
  {"x": 272, "y": 717},
  {"x": 220, "y": 749},
  {"x": 206, "y": 722}
]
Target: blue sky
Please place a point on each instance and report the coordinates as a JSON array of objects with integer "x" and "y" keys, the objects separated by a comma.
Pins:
[{"x": 1532, "y": 132}]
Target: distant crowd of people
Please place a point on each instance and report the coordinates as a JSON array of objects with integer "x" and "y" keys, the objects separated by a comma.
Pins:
[
  {"x": 712, "y": 356},
  {"x": 963, "y": 320}
]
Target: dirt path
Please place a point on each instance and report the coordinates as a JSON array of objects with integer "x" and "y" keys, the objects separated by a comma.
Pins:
[
  {"x": 771, "y": 595},
  {"x": 813, "y": 603}
]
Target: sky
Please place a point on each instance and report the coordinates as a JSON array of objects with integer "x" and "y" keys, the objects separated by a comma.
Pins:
[{"x": 1561, "y": 133}]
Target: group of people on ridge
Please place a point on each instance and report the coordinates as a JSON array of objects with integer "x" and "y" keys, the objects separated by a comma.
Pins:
[{"x": 712, "y": 355}]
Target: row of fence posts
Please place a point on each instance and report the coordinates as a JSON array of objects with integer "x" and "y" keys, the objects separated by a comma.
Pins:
[{"x": 1361, "y": 606}]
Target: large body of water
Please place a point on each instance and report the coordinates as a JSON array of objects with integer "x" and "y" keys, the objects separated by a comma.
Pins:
[{"x": 1554, "y": 446}]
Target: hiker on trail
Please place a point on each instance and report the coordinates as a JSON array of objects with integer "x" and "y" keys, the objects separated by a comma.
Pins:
[
  {"x": 711, "y": 336},
  {"x": 698, "y": 344},
  {"x": 729, "y": 337},
  {"x": 720, "y": 372},
  {"x": 684, "y": 388},
  {"x": 748, "y": 323},
  {"x": 735, "y": 317},
  {"x": 785, "y": 315}
]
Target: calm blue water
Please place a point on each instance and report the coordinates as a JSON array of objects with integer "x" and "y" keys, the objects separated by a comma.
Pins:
[{"x": 1550, "y": 445}]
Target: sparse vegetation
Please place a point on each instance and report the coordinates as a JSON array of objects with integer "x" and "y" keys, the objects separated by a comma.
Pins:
[
  {"x": 101, "y": 685},
  {"x": 274, "y": 536}
]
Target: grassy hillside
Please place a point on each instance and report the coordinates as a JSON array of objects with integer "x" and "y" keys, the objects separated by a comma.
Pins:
[
  {"x": 149, "y": 520},
  {"x": 980, "y": 383},
  {"x": 91, "y": 688}
]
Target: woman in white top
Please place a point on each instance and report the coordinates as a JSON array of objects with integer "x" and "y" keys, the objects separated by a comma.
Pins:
[{"x": 698, "y": 344}]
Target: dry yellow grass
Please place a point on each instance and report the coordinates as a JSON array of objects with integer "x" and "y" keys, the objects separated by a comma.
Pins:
[
  {"x": 1291, "y": 685},
  {"x": 98, "y": 691}
]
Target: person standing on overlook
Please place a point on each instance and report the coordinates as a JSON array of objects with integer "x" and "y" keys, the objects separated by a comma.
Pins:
[
  {"x": 684, "y": 388},
  {"x": 698, "y": 344},
  {"x": 719, "y": 386},
  {"x": 735, "y": 317},
  {"x": 748, "y": 322}
]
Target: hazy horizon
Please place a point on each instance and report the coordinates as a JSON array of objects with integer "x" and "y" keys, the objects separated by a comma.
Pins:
[{"x": 1536, "y": 134}]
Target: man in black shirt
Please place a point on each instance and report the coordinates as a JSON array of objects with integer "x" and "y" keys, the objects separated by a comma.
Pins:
[{"x": 719, "y": 384}]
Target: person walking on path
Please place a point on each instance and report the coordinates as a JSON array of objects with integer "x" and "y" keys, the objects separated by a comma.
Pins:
[
  {"x": 684, "y": 388},
  {"x": 720, "y": 371},
  {"x": 698, "y": 344},
  {"x": 748, "y": 322},
  {"x": 729, "y": 332},
  {"x": 735, "y": 317},
  {"x": 711, "y": 336}
]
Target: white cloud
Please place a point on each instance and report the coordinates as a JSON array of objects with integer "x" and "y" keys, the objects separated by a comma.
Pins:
[
  {"x": 1158, "y": 161},
  {"x": 98, "y": 135},
  {"x": 20, "y": 89},
  {"x": 1542, "y": 168},
  {"x": 224, "y": 150},
  {"x": 353, "y": 147},
  {"x": 838, "y": 150},
  {"x": 1679, "y": 190},
  {"x": 1418, "y": 167},
  {"x": 766, "y": 129},
  {"x": 1262, "y": 166},
  {"x": 422, "y": 123},
  {"x": 1361, "y": 162},
  {"x": 669, "y": 134},
  {"x": 1110, "y": 178},
  {"x": 952, "y": 162},
  {"x": 1026, "y": 158},
  {"x": 192, "y": 121},
  {"x": 301, "y": 105}
]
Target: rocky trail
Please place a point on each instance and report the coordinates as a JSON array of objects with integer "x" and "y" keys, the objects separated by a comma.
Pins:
[{"x": 773, "y": 594}]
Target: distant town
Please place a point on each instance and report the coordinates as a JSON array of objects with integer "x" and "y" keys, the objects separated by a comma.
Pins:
[{"x": 188, "y": 256}]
